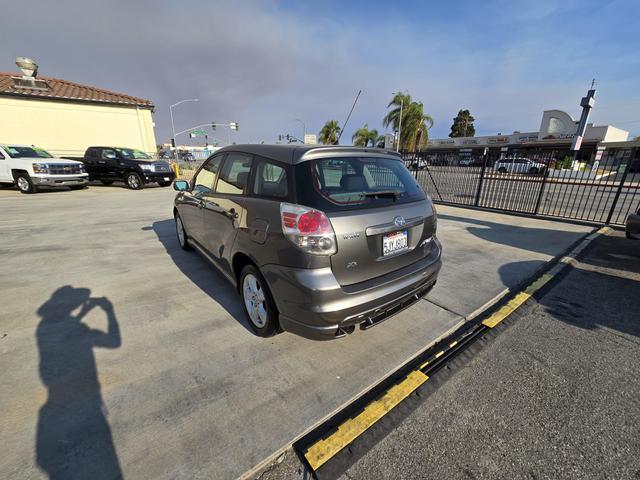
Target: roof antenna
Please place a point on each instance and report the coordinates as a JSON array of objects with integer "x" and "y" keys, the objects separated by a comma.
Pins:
[{"x": 348, "y": 116}]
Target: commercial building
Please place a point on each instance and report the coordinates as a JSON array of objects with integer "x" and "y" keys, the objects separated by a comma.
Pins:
[
  {"x": 552, "y": 140},
  {"x": 65, "y": 117}
]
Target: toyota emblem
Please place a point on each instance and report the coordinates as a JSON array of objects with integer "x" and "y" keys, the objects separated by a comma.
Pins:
[{"x": 399, "y": 221}]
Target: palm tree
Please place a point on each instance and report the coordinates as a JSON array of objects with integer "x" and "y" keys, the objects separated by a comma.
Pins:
[
  {"x": 363, "y": 136},
  {"x": 415, "y": 123},
  {"x": 330, "y": 133}
]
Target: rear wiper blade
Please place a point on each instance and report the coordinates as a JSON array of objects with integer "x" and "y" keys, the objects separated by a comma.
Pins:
[{"x": 382, "y": 193}]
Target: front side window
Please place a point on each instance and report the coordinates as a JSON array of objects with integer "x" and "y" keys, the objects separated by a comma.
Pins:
[
  {"x": 206, "y": 177},
  {"x": 16, "y": 151},
  {"x": 270, "y": 180},
  {"x": 132, "y": 154},
  {"x": 235, "y": 174},
  {"x": 355, "y": 182},
  {"x": 108, "y": 154}
]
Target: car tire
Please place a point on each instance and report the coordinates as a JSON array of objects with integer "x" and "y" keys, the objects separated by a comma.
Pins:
[
  {"x": 258, "y": 303},
  {"x": 502, "y": 170},
  {"x": 133, "y": 181},
  {"x": 164, "y": 184},
  {"x": 106, "y": 182},
  {"x": 181, "y": 233},
  {"x": 24, "y": 183}
]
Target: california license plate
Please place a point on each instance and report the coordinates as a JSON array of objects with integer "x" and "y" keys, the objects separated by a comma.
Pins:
[
  {"x": 166, "y": 179},
  {"x": 395, "y": 242}
]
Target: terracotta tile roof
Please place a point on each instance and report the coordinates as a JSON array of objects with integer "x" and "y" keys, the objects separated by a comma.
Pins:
[{"x": 66, "y": 90}]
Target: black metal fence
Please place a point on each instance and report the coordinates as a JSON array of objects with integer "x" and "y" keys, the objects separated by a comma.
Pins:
[{"x": 604, "y": 188}]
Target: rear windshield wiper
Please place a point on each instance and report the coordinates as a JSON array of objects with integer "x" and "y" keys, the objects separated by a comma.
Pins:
[{"x": 382, "y": 194}]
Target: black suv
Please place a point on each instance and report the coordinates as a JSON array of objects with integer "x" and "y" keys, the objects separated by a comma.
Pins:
[{"x": 133, "y": 167}]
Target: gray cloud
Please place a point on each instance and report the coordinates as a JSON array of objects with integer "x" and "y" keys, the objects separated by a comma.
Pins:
[{"x": 255, "y": 63}]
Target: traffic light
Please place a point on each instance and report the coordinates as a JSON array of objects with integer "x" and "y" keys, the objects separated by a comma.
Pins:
[
  {"x": 173, "y": 142},
  {"x": 234, "y": 126},
  {"x": 213, "y": 125}
]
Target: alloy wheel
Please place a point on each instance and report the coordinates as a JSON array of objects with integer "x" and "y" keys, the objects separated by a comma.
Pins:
[{"x": 254, "y": 300}]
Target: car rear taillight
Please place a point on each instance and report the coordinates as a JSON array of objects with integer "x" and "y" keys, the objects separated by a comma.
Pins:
[{"x": 308, "y": 229}]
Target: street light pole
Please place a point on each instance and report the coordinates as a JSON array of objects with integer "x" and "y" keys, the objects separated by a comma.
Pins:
[{"x": 173, "y": 128}]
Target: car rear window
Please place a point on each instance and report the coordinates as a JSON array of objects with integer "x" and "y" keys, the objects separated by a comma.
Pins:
[{"x": 348, "y": 183}]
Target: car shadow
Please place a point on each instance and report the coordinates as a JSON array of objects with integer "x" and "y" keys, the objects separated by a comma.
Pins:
[
  {"x": 541, "y": 240},
  {"x": 600, "y": 291},
  {"x": 198, "y": 269},
  {"x": 73, "y": 438}
]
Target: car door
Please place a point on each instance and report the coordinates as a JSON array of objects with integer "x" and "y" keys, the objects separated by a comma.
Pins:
[
  {"x": 108, "y": 164},
  {"x": 224, "y": 209},
  {"x": 192, "y": 203}
]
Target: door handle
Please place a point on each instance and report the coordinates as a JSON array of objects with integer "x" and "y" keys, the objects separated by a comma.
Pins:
[
  {"x": 101, "y": 161},
  {"x": 232, "y": 214}
]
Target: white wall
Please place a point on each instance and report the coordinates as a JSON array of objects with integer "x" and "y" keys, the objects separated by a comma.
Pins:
[{"x": 66, "y": 128}]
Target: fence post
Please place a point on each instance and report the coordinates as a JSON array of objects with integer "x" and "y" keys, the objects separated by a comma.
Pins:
[
  {"x": 544, "y": 182},
  {"x": 482, "y": 171},
  {"x": 615, "y": 199}
]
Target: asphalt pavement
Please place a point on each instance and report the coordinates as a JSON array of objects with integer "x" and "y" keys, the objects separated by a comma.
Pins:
[
  {"x": 120, "y": 347},
  {"x": 555, "y": 395}
]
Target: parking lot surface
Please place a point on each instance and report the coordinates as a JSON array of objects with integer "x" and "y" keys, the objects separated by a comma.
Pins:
[
  {"x": 134, "y": 355},
  {"x": 555, "y": 395}
]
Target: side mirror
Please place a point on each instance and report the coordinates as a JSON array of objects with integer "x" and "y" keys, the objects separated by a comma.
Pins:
[{"x": 181, "y": 185}]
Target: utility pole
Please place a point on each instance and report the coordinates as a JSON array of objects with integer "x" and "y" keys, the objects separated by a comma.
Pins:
[{"x": 400, "y": 123}]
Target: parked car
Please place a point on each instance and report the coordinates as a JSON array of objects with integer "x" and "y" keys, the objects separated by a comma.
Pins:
[
  {"x": 134, "y": 167},
  {"x": 633, "y": 225},
  {"x": 418, "y": 164},
  {"x": 471, "y": 162},
  {"x": 31, "y": 168},
  {"x": 317, "y": 240},
  {"x": 518, "y": 165}
]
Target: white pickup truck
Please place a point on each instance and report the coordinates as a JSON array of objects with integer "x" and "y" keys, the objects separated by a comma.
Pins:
[{"x": 31, "y": 168}]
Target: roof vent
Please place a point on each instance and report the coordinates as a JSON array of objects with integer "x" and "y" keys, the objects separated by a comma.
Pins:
[
  {"x": 29, "y": 67},
  {"x": 29, "y": 73}
]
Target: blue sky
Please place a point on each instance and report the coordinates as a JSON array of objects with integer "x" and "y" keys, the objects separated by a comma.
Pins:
[{"x": 264, "y": 63}]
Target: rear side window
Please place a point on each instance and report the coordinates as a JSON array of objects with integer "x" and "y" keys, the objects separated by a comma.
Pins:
[
  {"x": 235, "y": 174},
  {"x": 355, "y": 182},
  {"x": 270, "y": 180}
]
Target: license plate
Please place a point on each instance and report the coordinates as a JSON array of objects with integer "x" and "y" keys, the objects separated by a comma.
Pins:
[
  {"x": 166, "y": 179},
  {"x": 394, "y": 242}
]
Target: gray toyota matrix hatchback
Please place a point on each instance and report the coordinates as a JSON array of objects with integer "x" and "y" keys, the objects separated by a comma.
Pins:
[{"x": 317, "y": 239}]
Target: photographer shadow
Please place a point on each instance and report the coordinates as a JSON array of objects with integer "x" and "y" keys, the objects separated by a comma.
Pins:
[{"x": 73, "y": 436}]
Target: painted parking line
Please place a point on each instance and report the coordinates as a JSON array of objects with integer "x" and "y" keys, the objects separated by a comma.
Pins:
[{"x": 326, "y": 447}]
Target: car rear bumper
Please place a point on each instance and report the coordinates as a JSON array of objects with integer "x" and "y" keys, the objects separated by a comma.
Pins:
[{"x": 312, "y": 303}]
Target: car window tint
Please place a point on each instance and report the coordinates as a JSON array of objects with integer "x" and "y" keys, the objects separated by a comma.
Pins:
[
  {"x": 270, "y": 180},
  {"x": 206, "y": 178},
  {"x": 235, "y": 174},
  {"x": 355, "y": 182},
  {"x": 108, "y": 154}
]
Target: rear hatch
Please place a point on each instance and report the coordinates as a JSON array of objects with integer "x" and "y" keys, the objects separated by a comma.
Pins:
[{"x": 382, "y": 219}]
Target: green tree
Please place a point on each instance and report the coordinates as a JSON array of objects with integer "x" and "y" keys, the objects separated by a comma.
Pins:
[
  {"x": 363, "y": 137},
  {"x": 463, "y": 125},
  {"x": 414, "y": 134},
  {"x": 330, "y": 133}
]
